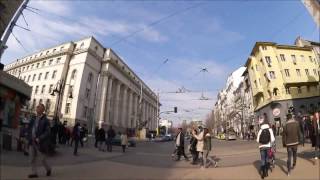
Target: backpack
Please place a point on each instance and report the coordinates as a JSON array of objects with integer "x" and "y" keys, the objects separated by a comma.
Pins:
[{"x": 264, "y": 136}]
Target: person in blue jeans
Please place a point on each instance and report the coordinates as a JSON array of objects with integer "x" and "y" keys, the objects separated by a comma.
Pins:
[{"x": 265, "y": 138}]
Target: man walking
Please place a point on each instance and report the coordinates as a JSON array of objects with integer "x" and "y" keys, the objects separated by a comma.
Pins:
[
  {"x": 290, "y": 139},
  {"x": 180, "y": 144},
  {"x": 111, "y": 134},
  {"x": 76, "y": 137},
  {"x": 39, "y": 140}
]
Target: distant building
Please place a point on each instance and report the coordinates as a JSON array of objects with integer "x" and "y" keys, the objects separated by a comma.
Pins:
[
  {"x": 282, "y": 76},
  {"x": 84, "y": 82}
]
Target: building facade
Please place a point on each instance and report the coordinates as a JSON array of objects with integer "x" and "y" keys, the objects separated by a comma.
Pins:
[
  {"x": 84, "y": 82},
  {"x": 282, "y": 76}
]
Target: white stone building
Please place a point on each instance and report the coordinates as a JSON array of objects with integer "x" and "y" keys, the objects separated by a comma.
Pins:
[{"x": 91, "y": 84}]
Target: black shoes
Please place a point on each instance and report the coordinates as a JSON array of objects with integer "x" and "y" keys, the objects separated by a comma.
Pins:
[{"x": 33, "y": 176}]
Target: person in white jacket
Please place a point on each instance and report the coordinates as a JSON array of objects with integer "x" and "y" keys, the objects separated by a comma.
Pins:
[
  {"x": 265, "y": 138},
  {"x": 200, "y": 143}
]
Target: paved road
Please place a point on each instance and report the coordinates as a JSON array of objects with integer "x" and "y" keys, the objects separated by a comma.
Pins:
[{"x": 152, "y": 160}]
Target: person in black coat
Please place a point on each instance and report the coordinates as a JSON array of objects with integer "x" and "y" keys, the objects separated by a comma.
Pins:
[
  {"x": 101, "y": 138},
  {"x": 111, "y": 135},
  {"x": 180, "y": 144},
  {"x": 96, "y": 129},
  {"x": 193, "y": 148},
  {"x": 76, "y": 137}
]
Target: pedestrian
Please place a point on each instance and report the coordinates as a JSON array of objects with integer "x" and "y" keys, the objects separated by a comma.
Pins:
[
  {"x": 299, "y": 118},
  {"x": 96, "y": 129},
  {"x": 207, "y": 149},
  {"x": 76, "y": 137},
  {"x": 39, "y": 140},
  {"x": 180, "y": 144},
  {"x": 200, "y": 144},
  {"x": 82, "y": 134},
  {"x": 111, "y": 134},
  {"x": 23, "y": 138},
  {"x": 193, "y": 148},
  {"x": 316, "y": 127},
  {"x": 124, "y": 141},
  {"x": 265, "y": 138},
  {"x": 101, "y": 136},
  {"x": 290, "y": 140}
]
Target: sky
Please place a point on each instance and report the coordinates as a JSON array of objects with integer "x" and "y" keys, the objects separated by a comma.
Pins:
[{"x": 168, "y": 43}]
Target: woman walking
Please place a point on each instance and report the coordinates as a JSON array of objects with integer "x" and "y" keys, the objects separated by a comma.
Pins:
[
  {"x": 193, "y": 148},
  {"x": 124, "y": 141},
  {"x": 207, "y": 149}
]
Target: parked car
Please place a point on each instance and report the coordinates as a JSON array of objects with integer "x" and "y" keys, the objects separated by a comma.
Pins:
[
  {"x": 220, "y": 136},
  {"x": 117, "y": 141},
  {"x": 231, "y": 136},
  {"x": 165, "y": 138}
]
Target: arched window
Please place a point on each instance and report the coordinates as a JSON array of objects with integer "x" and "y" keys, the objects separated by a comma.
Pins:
[{"x": 74, "y": 74}]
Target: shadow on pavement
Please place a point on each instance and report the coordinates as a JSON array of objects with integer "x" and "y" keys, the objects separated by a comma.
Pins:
[
  {"x": 281, "y": 164},
  {"x": 308, "y": 155}
]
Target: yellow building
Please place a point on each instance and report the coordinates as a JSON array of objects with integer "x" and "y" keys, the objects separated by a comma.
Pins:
[{"x": 282, "y": 76}]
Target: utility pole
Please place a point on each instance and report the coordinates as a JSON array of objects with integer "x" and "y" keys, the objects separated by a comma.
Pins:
[{"x": 7, "y": 33}]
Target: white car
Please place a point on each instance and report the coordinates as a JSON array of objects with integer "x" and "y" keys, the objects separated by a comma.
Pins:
[{"x": 231, "y": 136}]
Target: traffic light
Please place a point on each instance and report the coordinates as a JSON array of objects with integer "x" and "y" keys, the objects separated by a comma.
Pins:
[{"x": 175, "y": 109}]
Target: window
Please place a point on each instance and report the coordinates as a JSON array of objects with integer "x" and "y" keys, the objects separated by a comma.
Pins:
[
  {"x": 27, "y": 67},
  {"x": 269, "y": 93},
  {"x": 299, "y": 89},
  {"x": 282, "y": 57},
  {"x": 96, "y": 48},
  {"x": 257, "y": 67},
  {"x": 266, "y": 77},
  {"x": 34, "y": 77},
  {"x": 43, "y": 88},
  {"x": 294, "y": 60},
  {"x": 32, "y": 66},
  {"x": 50, "y": 62},
  {"x": 58, "y": 60},
  {"x": 286, "y": 71},
  {"x": 275, "y": 91},
  {"x": 40, "y": 54},
  {"x": 43, "y": 63},
  {"x": 81, "y": 46},
  {"x": 90, "y": 77},
  {"x": 85, "y": 109},
  {"x": 36, "y": 90},
  {"x": 23, "y": 68},
  {"x": 308, "y": 88},
  {"x": 67, "y": 110},
  {"x": 307, "y": 72},
  {"x": 54, "y": 50},
  {"x": 272, "y": 75},
  {"x": 47, "y": 52},
  {"x": 302, "y": 57},
  {"x": 74, "y": 74},
  {"x": 268, "y": 60},
  {"x": 46, "y": 76},
  {"x": 39, "y": 77},
  {"x": 255, "y": 83},
  {"x": 264, "y": 47},
  {"x": 61, "y": 48},
  {"x": 33, "y": 104},
  {"x": 315, "y": 72},
  {"x": 48, "y": 104},
  {"x": 50, "y": 88},
  {"x": 54, "y": 74},
  {"x": 29, "y": 78},
  {"x": 298, "y": 72},
  {"x": 87, "y": 93},
  {"x": 24, "y": 78},
  {"x": 70, "y": 91},
  {"x": 288, "y": 90},
  {"x": 310, "y": 57},
  {"x": 38, "y": 65}
]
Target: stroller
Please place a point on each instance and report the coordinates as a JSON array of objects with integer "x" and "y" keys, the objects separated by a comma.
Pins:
[{"x": 271, "y": 156}]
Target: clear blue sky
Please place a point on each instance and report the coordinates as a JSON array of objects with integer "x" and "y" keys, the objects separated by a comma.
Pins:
[{"x": 217, "y": 35}]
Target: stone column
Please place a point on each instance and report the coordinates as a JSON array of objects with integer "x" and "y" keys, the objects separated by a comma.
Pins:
[
  {"x": 124, "y": 107},
  {"x": 109, "y": 98},
  {"x": 103, "y": 100},
  {"x": 116, "y": 105},
  {"x": 136, "y": 105},
  {"x": 129, "y": 115}
]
